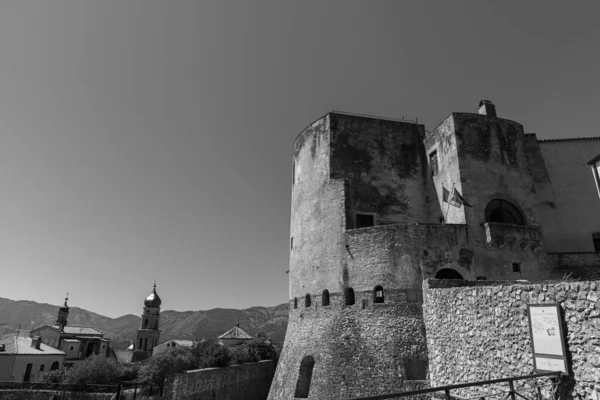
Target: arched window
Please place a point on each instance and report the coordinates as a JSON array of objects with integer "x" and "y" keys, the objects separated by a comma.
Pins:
[
  {"x": 54, "y": 366},
  {"x": 378, "y": 294},
  {"x": 146, "y": 323},
  {"x": 325, "y": 298},
  {"x": 448, "y": 273},
  {"x": 502, "y": 211},
  {"x": 349, "y": 295},
  {"x": 307, "y": 300},
  {"x": 295, "y": 302},
  {"x": 304, "y": 377}
]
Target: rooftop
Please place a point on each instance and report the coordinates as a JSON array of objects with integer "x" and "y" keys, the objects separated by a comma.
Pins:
[
  {"x": 80, "y": 330},
  {"x": 22, "y": 345},
  {"x": 236, "y": 333}
]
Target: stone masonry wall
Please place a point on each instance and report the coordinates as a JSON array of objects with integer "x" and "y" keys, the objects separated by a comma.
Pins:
[
  {"x": 359, "y": 350},
  {"x": 236, "y": 382},
  {"x": 479, "y": 330},
  {"x": 577, "y": 265}
]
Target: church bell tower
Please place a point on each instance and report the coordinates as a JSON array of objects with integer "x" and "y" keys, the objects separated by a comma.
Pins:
[{"x": 148, "y": 334}]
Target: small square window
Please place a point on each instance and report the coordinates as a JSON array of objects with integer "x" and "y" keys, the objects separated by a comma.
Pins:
[
  {"x": 364, "y": 220},
  {"x": 516, "y": 267},
  {"x": 433, "y": 162}
]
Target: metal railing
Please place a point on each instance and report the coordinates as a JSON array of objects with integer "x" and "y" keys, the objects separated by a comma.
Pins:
[
  {"x": 122, "y": 390},
  {"x": 494, "y": 389}
]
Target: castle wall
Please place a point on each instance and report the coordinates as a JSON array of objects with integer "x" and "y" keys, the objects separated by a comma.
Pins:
[
  {"x": 479, "y": 330},
  {"x": 357, "y": 351},
  {"x": 577, "y": 214},
  {"x": 384, "y": 165},
  {"x": 317, "y": 217},
  {"x": 574, "y": 265},
  {"x": 237, "y": 382},
  {"x": 493, "y": 165}
]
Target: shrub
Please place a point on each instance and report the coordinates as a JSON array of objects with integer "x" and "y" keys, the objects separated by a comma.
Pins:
[
  {"x": 253, "y": 351},
  {"x": 164, "y": 364},
  {"x": 55, "y": 376},
  {"x": 209, "y": 354},
  {"x": 96, "y": 369}
]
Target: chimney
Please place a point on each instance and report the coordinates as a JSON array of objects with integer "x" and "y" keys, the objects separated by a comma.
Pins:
[
  {"x": 36, "y": 342},
  {"x": 487, "y": 108}
]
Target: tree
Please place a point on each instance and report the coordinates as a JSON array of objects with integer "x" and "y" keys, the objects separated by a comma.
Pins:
[
  {"x": 55, "y": 376},
  {"x": 210, "y": 354},
  {"x": 96, "y": 369},
  {"x": 253, "y": 351},
  {"x": 164, "y": 364}
]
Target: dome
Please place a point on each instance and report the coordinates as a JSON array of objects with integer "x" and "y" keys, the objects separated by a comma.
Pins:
[{"x": 152, "y": 300}]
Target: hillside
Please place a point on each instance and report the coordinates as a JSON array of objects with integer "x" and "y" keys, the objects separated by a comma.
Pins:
[{"x": 173, "y": 324}]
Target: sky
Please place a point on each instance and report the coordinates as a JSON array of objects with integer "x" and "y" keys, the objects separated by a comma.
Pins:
[{"x": 150, "y": 140}]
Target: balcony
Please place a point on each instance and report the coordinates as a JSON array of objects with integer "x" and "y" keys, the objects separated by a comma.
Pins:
[{"x": 514, "y": 237}]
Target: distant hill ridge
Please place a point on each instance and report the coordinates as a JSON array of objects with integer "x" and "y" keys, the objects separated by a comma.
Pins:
[{"x": 173, "y": 324}]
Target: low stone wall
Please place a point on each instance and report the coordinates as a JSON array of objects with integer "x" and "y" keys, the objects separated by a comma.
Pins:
[
  {"x": 479, "y": 330},
  {"x": 52, "y": 395},
  {"x": 236, "y": 382}
]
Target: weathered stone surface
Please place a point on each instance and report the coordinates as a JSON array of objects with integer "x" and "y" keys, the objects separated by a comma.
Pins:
[{"x": 500, "y": 345}]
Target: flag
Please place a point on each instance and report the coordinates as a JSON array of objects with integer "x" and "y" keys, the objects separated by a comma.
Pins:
[
  {"x": 457, "y": 200},
  {"x": 446, "y": 195}
]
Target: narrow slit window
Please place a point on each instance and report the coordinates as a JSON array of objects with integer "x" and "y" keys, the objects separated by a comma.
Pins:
[
  {"x": 349, "y": 295},
  {"x": 378, "y": 294},
  {"x": 307, "y": 300},
  {"x": 364, "y": 220},
  {"x": 292, "y": 243},
  {"x": 295, "y": 303},
  {"x": 325, "y": 298}
]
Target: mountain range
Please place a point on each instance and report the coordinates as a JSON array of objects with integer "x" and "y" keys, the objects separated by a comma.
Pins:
[{"x": 122, "y": 330}]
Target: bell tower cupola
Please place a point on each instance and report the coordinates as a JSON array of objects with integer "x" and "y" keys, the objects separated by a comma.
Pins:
[
  {"x": 63, "y": 313},
  {"x": 148, "y": 334}
]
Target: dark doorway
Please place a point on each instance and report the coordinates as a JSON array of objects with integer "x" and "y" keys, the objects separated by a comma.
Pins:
[
  {"x": 304, "y": 377},
  {"x": 90, "y": 349},
  {"x": 349, "y": 295},
  {"x": 325, "y": 298},
  {"x": 448, "y": 273},
  {"x": 54, "y": 366},
  {"x": 378, "y": 294}
]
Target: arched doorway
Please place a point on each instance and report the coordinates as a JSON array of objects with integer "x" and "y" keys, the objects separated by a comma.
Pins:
[
  {"x": 504, "y": 212},
  {"x": 448, "y": 273},
  {"x": 304, "y": 377}
]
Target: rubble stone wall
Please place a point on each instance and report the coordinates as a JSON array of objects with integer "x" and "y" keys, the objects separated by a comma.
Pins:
[{"x": 479, "y": 330}]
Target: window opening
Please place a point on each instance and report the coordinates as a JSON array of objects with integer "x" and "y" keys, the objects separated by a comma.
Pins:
[
  {"x": 516, "y": 267},
  {"x": 42, "y": 368},
  {"x": 349, "y": 294},
  {"x": 292, "y": 243},
  {"x": 54, "y": 366},
  {"x": 304, "y": 377},
  {"x": 378, "y": 294},
  {"x": 307, "y": 300},
  {"x": 295, "y": 302},
  {"x": 146, "y": 323},
  {"x": 433, "y": 162},
  {"x": 364, "y": 220},
  {"x": 325, "y": 298},
  {"x": 502, "y": 211}
]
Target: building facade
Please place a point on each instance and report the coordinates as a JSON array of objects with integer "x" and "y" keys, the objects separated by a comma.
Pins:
[
  {"x": 378, "y": 205},
  {"x": 76, "y": 342},
  {"x": 148, "y": 335},
  {"x": 26, "y": 359}
]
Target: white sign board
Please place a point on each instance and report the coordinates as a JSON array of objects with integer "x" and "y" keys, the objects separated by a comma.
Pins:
[{"x": 547, "y": 338}]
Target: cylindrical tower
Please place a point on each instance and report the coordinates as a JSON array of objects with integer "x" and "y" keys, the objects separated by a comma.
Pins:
[{"x": 355, "y": 324}]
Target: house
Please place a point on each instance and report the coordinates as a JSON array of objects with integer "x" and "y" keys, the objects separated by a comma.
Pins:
[
  {"x": 25, "y": 359},
  {"x": 172, "y": 344},
  {"x": 235, "y": 336}
]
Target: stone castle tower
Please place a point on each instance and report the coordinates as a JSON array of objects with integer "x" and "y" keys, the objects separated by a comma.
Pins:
[
  {"x": 148, "y": 334},
  {"x": 378, "y": 205}
]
